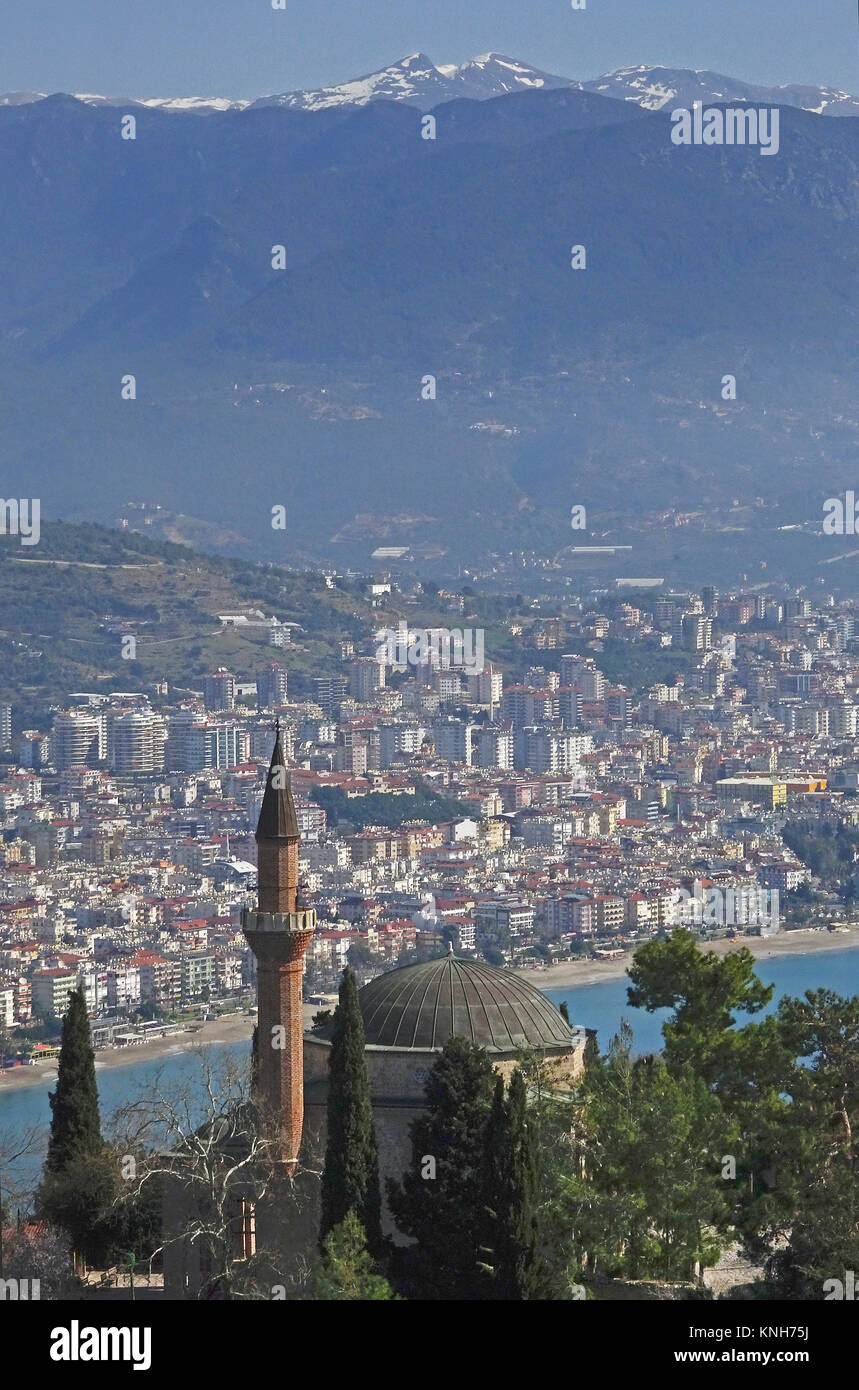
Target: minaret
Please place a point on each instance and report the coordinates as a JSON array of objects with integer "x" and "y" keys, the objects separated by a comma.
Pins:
[{"x": 278, "y": 933}]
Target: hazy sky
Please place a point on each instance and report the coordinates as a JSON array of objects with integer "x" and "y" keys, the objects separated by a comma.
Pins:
[{"x": 244, "y": 48}]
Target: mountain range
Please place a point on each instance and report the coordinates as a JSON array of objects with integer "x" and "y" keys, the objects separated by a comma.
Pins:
[
  {"x": 407, "y": 259},
  {"x": 417, "y": 81}
]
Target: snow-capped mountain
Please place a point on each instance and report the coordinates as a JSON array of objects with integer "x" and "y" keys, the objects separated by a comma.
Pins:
[
  {"x": 195, "y": 104},
  {"x": 417, "y": 81},
  {"x": 20, "y": 98},
  {"x": 492, "y": 75},
  {"x": 203, "y": 105},
  {"x": 655, "y": 88}
]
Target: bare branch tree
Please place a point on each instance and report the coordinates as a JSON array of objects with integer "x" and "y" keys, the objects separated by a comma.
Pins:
[
  {"x": 15, "y": 1145},
  {"x": 216, "y": 1157},
  {"x": 13, "y": 1188}
]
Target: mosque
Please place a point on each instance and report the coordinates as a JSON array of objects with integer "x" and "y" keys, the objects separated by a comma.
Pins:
[{"x": 408, "y": 1014}]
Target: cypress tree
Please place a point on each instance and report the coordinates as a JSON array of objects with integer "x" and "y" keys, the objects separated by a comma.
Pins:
[
  {"x": 350, "y": 1180},
  {"x": 512, "y": 1198},
  {"x": 496, "y": 1143},
  {"x": 75, "y": 1123},
  {"x": 563, "y": 1010},
  {"x": 441, "y": 1199},
  {"x": 496, "y": 1187},
  {"x": 526, "y": 1275}
]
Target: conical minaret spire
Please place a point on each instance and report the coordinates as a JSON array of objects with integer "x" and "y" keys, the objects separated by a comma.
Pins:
[
  {"x": 277, "y": 839},
  {"x": 277, "y": 818}
]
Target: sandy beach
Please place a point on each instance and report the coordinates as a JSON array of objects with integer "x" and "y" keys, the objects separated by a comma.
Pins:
[
  {"x": 793, "y": 943},
  {"x": 231, "y": 1028},
  {"x": 236, "y": 1027}
]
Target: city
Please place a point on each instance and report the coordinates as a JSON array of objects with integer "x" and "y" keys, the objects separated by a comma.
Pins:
[
  {"x": 576, "y": 812},
  {"x": 429, "y": 675}
]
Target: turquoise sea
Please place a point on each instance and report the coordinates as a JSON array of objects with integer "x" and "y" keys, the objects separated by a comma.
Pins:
[
  {"x": 599, "y": 1006},
  {"x": 602, "y": 1005}
]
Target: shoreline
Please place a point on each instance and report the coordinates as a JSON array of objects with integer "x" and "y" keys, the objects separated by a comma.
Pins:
[
  {"x": 230, "y": 1028},
  {"x": 235, "y": 1027},
  {"x": 803, "y": 942}
]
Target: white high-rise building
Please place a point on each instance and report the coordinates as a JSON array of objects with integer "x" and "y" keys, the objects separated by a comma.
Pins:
[
  {"x": 495, "y": 747},
  {"x": 366, "y": 676},
  {"x": 219, "y": 690},
  {"x": 581, "y": 672},
  {"x": 78, "y": 739},
  {"x": 485, "y": 687},
  {"x": 843, "y": 720},
  {"x": 550, "y": 750},
  {"x": 136, "y": 742},
  {"x": 272, "y": 686},
  {"x": 454, "y": 741},
  {"x": 399, "y": 738},
  {"x": 179, "y": 727},
  {"x": 216, "y": 745}
]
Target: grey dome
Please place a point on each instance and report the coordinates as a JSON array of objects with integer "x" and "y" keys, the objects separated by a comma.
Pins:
[{"x": 423, "y": 1005}]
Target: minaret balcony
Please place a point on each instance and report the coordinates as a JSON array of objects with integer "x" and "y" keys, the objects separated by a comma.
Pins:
[{"x": 276, "y": 935}]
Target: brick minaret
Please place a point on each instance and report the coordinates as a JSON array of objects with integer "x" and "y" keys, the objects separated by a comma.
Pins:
[{"x": 278, "y": 933}]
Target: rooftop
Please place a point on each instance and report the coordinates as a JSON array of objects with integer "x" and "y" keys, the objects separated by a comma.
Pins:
[{"x": 423, "y": 1005}]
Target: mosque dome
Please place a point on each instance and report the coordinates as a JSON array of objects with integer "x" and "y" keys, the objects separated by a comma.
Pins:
[{"x": 423, "y": 1005}]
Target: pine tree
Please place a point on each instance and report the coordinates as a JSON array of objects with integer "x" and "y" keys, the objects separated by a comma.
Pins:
[
  {"x": 441, "y": 1199},
  {"x": 75, "y": 1123},
  {"x": 652, "y": 1200},
  {"x": 350, "y": 1181},
  {"x": 816, "y": 1154},
  {"x": 346, "y": 1271},
  {"x": 706, "y": 991}
]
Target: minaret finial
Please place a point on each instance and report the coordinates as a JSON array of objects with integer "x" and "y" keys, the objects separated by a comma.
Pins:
[{"x": 277, "y": 820}]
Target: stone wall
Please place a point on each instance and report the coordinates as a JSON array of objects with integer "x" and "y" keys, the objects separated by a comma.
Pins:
[{"x": 397, "y": 1080}]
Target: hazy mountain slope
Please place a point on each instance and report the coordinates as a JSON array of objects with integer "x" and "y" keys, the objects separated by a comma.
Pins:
[
  {"x": 659, "y": 88},
  {"x": 405, "y": 258}
]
